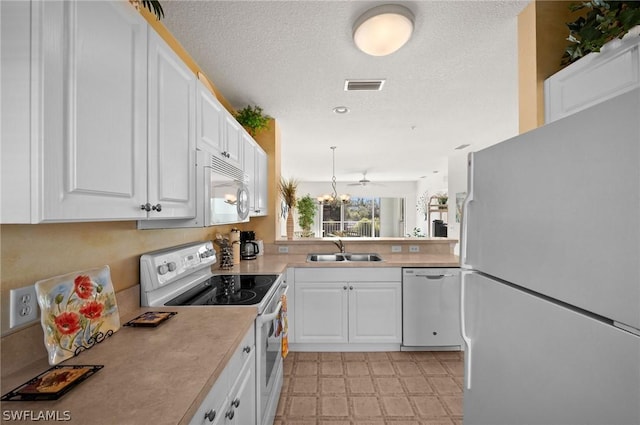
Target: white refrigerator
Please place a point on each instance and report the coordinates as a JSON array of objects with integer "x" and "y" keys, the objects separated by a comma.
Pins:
[{"x": 550, "y": 252}]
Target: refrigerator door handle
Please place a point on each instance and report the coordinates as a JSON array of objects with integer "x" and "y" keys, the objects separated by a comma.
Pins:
[
  {"x": 464, "y": 261},
  {"x": 463, "y": 330}
]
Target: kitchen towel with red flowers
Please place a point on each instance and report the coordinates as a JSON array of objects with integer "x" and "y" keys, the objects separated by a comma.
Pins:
[{"x": 78, "y": 310}]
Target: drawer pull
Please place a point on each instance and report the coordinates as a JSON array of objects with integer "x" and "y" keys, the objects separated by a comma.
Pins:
[
  {"x": 230, "y": 414},
  {"x": 236, "y": 403},
  {"x": 211, "y": 415}
]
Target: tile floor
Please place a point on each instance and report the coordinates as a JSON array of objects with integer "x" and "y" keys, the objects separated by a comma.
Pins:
[{"x": 394, "y": 388}]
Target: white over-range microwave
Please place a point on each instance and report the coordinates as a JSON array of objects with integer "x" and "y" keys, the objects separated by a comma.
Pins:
[{"x": 222, "y": 195}]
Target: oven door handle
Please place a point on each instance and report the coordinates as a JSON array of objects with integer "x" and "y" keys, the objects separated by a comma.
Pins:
[{"x": 270, "y": 316}]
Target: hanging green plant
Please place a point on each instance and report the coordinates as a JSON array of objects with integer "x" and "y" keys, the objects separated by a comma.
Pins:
[
  {"x": 603, "y": 21},
  {"x": 152, "y": 6},
  {"x": 252, "y": 118}
]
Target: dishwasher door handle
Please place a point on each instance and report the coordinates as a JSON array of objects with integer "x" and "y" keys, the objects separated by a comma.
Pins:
[{"x": 434, "y": 276}]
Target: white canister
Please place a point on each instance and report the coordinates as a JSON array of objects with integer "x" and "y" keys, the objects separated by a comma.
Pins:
[{"x": 260, "y": 247}]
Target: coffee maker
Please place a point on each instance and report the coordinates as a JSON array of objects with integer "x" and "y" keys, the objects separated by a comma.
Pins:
[{"x": 248, "y": 246}]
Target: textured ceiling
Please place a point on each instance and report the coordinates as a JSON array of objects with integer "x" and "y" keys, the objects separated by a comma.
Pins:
[{"x": 454, "y": 82}]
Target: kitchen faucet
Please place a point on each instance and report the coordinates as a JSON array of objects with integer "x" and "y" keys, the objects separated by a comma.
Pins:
[{"x": 340, "y": 245}]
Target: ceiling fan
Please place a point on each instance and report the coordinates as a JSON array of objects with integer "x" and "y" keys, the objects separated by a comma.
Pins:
[{"x": 364, "y": 181}]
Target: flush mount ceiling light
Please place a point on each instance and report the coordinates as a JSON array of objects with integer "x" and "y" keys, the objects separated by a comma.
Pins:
[{"x": 383, "y": 30}]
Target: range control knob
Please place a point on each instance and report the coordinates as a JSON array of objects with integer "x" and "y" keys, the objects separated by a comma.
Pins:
[
  {"x": 171, "y": 266},
  {"x": 163, "y": 269}
]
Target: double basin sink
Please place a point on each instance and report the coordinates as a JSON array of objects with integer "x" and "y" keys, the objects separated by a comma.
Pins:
[{"x": 343, "y": 257}]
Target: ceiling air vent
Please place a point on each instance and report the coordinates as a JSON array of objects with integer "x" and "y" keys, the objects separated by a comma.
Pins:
[{"x": 363, "y": 85}]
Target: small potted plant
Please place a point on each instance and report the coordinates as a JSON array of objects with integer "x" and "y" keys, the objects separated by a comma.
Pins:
[
  {"x": 288, "y": 188},
  {"x": 443, "y": 198},
  {"x": 306, "y": 212},
  {"x": 252, "y": 118}
]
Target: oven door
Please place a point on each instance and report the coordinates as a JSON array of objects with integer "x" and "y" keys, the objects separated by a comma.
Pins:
[{"x": 269, "y": 358}]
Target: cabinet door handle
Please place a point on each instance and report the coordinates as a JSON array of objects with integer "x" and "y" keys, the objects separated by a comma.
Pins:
[
  {"x": 230, "y": 414},
  {"x": 247, "y": 349},
  {"x": 344, "y": 287},
  {"x": 351, "y": 288},
  {"x": 146, "y": 207},
  {"x": 211, "y": 415},
  {"x": 156, "y": 207},
  {"x": 236, "y": 403}
]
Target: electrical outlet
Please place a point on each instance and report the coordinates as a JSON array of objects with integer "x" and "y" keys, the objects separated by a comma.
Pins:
[
  {"x": 414, "y": 248},
  {"x": 24, "y": 306},
  {"x": 396, "y": 248},
  {"x": 283, "y": 249}
]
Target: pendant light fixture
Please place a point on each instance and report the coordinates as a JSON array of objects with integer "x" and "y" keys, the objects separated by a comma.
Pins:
[
  {"x": 333, "y": 197},
  {"x": 383, "y": 29}
]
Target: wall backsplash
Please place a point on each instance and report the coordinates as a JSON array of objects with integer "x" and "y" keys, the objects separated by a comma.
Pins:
[{"x": 31, "y": 252}]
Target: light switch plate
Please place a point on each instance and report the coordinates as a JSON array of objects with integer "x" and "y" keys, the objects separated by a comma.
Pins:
[{"x": 23, "y": 307}]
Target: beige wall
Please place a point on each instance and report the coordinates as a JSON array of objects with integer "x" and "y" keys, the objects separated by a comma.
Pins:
[{"x": 542, "y": 32}]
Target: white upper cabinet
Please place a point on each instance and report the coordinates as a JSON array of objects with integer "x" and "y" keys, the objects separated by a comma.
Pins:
[
  {"x": 104, "y": 119},
  {"x": 255, "y": 167},
  {"x": 210, "y": 115},
  {"x": 91, "y": 89},
  {"x": 232, "y": 149},
  {"x": 261, "y": 189},
  {"x": 593, "y": 79},
  {"x": 172, "y": 133}
]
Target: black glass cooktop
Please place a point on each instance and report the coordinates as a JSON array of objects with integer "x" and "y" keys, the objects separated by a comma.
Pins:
[{"x": 237, "y": 289}]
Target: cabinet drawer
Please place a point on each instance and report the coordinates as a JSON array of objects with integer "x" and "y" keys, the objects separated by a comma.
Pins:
[
  {"x": 214, "y": 404},
  {"x": 348, "y": 274},
  {"x": 242, "y": 353}
]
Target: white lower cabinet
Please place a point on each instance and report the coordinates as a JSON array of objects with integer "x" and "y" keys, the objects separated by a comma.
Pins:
[
  {"x": 232, "y": 400},
  {"x": 358, "y": 305}
]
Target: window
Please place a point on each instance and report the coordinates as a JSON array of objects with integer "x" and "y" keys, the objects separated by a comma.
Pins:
[{"x": 364, "y": 217}]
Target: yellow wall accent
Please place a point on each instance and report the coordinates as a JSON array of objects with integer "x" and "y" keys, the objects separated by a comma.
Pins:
[
  {"x": 266, "y": 227},
  {"x": 542, "y": 34}
]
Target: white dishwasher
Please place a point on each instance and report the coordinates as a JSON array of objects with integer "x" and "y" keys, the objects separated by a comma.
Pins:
[{"x": 431, "y": 309}]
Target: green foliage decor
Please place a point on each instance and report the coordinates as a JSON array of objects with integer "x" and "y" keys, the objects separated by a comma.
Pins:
[
  {"x": 603, "y": 21},
  {"x": 252, "y": 118},
  {"x": 306, "y": 211}
]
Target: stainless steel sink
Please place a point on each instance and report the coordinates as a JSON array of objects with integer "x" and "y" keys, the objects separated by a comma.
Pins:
[
  {"x": 362, "y": 257},
  {"x": 325, "y": 257},
  {"x": 343, "y": 257}
]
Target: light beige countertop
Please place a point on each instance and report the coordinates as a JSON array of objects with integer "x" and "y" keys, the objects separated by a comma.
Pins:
[
  {"x": 161, "y": 375},
  {"x": 151, "y": 375},
  {"x": 278, "y": 263}
]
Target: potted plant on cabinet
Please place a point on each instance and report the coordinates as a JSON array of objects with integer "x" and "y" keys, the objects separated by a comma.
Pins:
[
  {"x": 306, "y": 212},
  {"x": 288, "y": 188},
  {"x": 603, "y": 22},
  {"x": 252, "y": 119},
  {"x": 443, "y": 198}
]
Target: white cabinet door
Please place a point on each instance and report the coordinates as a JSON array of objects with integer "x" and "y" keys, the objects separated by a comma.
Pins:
[
  {"x": 241, "y": 408},
  {"x": 321, "y": 312},
  {"x": 375, "y": 312},
  {"x": 172, "y": 138},
  {"x": 593, "y": 79},
  {"x": 233, "y": 140},
  {"x": 93, "y": 135},
  {"x": 261, "y": 187},
  {"x": 249, "y": 167},
  {"x": 210, "y": 113}
]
